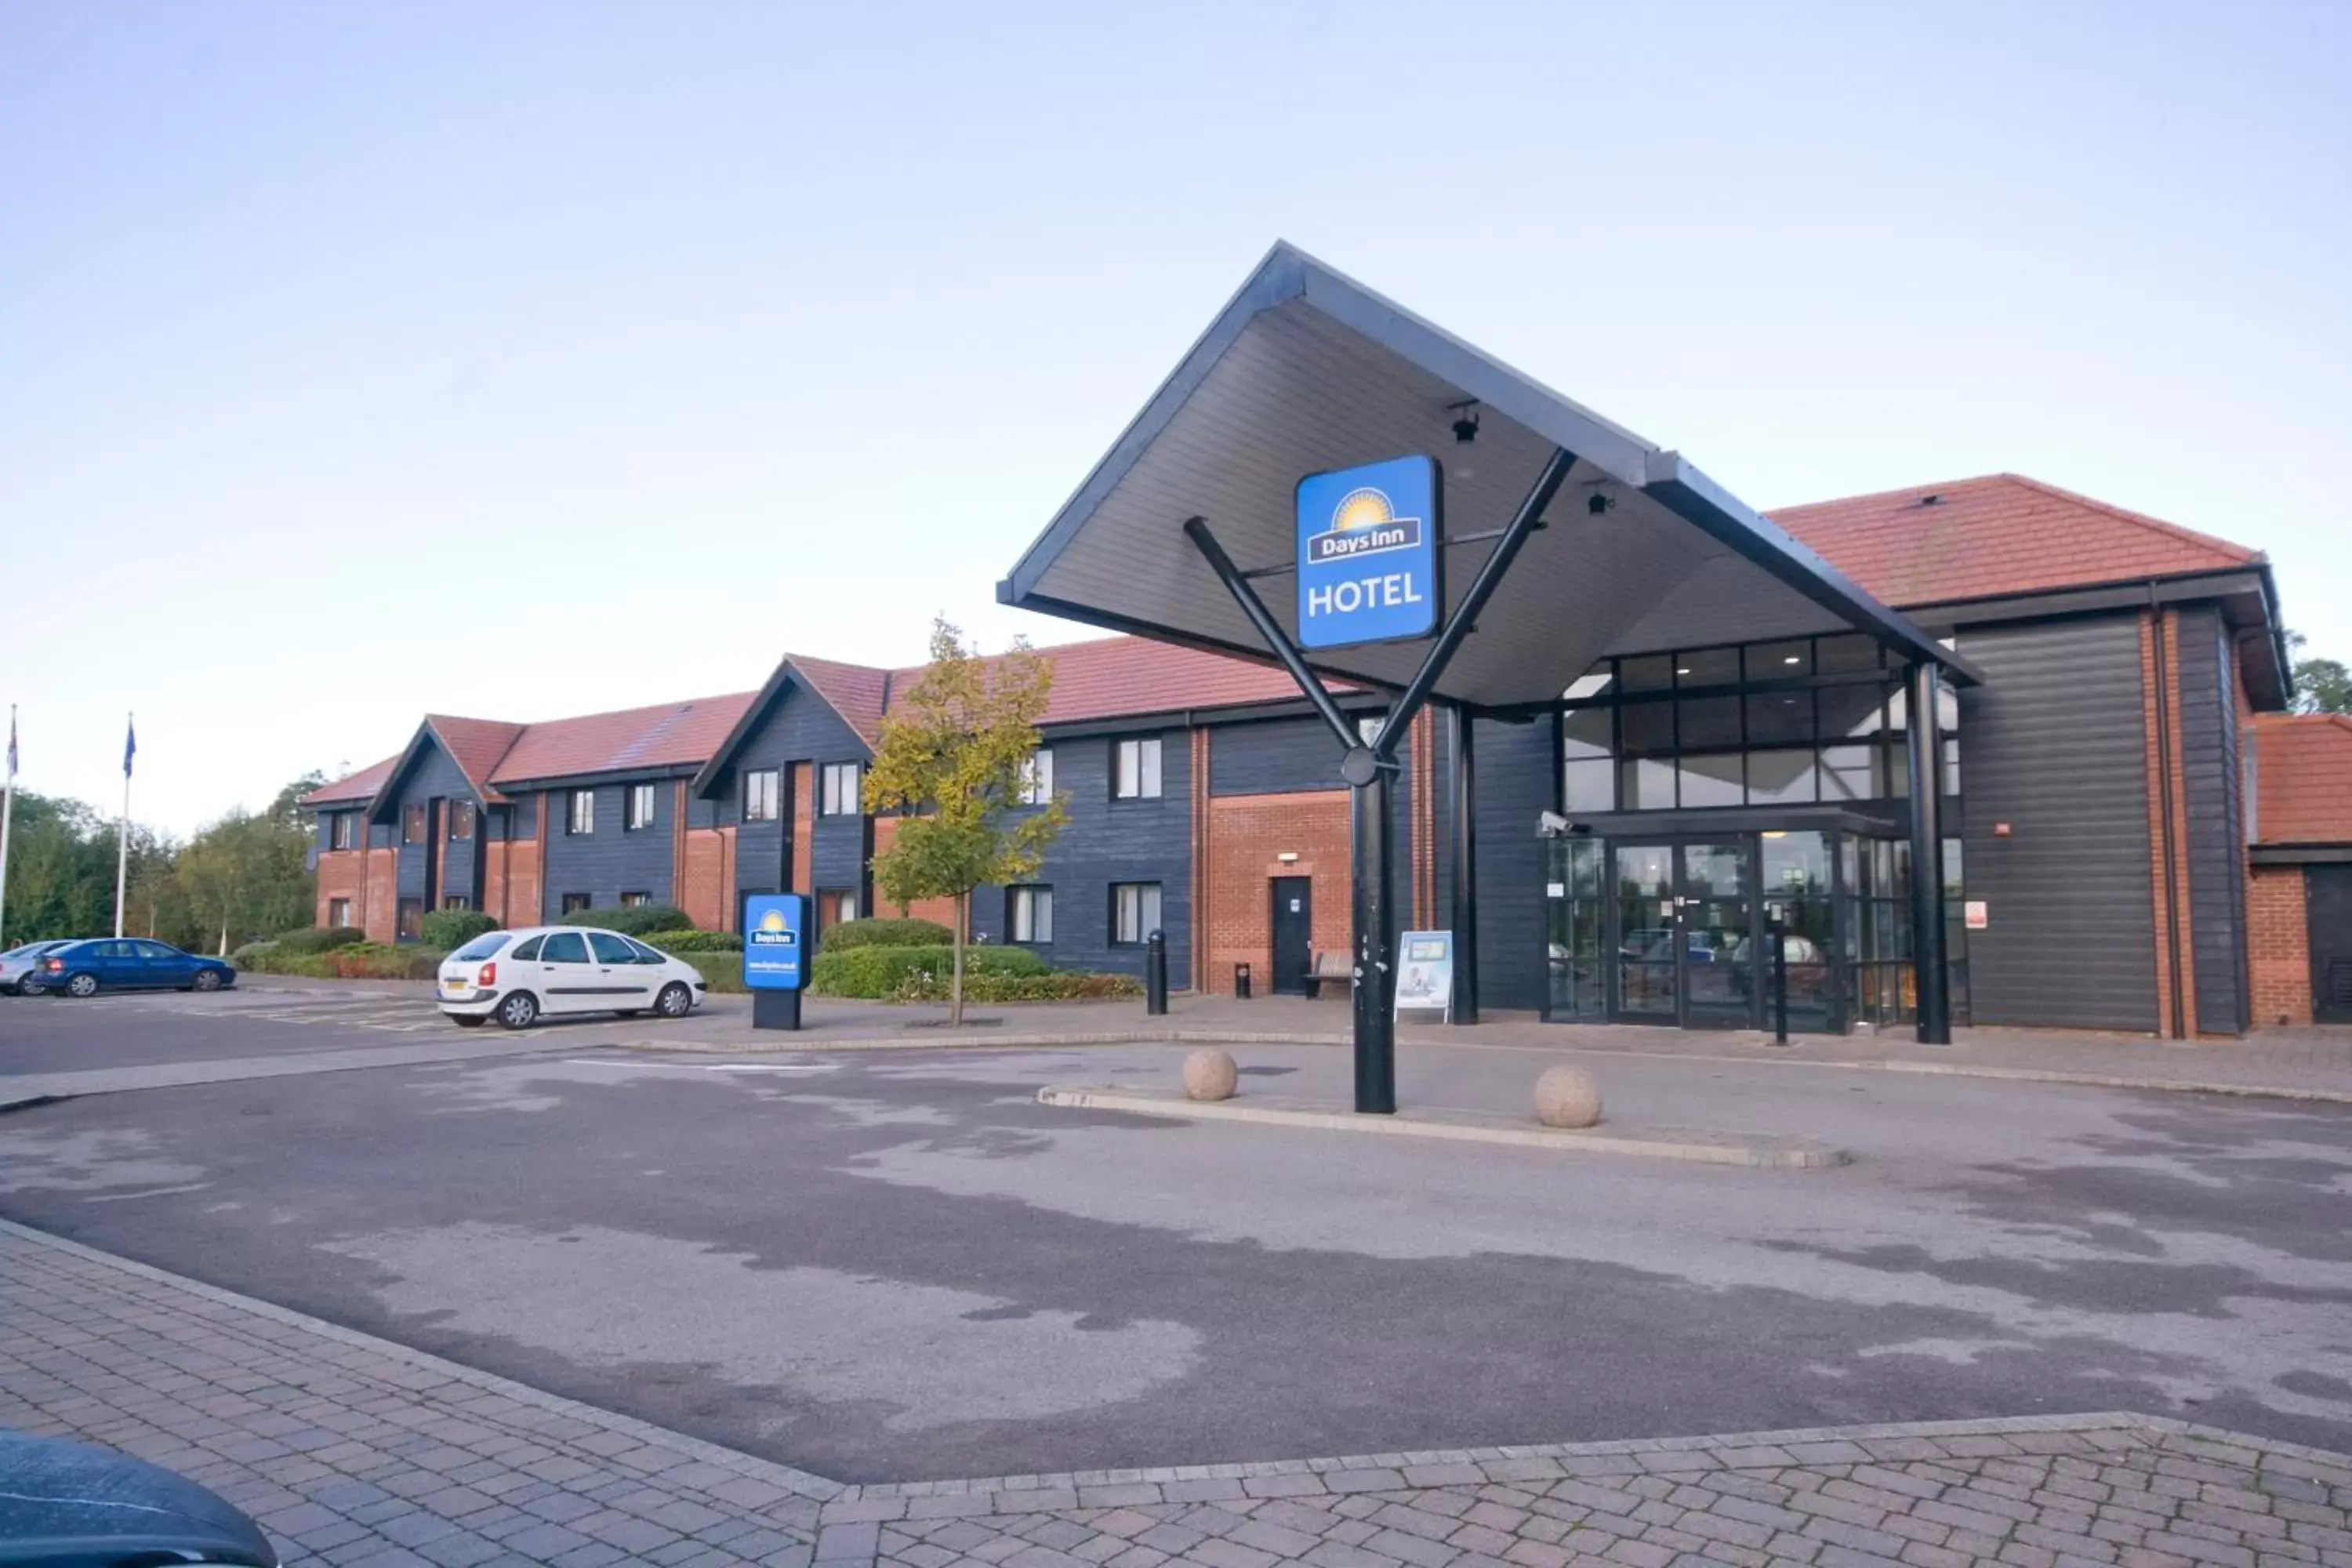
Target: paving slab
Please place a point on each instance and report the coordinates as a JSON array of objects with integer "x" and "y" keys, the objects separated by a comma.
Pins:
[{"x": 206, "y": 1382}]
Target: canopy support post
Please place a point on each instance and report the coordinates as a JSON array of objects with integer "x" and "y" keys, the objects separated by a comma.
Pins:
[
  {"x": 1925, "y": 747},
  {"x": 1465, "y": 867}
]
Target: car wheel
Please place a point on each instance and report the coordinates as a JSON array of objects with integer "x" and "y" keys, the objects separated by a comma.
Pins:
[
  {"x": 470, "y": 1020},
  {"x": 519, "y": 1011},
  {"x": 207, "y": 979},
  {"x": 675, "y": 1002},
  {"x": 83, "y": 984}
]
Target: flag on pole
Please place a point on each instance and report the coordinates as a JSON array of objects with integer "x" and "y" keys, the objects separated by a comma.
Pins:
[
  {"x": 130, "y": 746},
  {"x": 12, "y": 742}
]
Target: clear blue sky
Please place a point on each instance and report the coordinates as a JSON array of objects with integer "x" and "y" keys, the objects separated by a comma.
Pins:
[{"x": 519, "y": 360}]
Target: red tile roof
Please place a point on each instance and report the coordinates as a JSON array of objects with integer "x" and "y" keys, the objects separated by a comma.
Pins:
[
  {"x": 354, "y": 789},
  {"x": 1999, "y": 534},
  {"x": 2303, "y": 778},
  {"x": 668, "y": 734},
  {"x": 1929, "y": 545},
  {"x": 476, "y": 746}
]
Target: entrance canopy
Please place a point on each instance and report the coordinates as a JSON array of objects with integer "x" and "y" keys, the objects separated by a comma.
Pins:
[{"x": 1307, "y": 371}]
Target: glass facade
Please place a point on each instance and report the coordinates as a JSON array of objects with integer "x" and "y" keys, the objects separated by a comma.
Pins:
[
  {"x": 1784, "y": 723},
  {"x": 1681, "y": 932}
]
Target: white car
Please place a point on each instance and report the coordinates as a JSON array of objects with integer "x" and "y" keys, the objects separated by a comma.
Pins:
[
  {"x": 519, "y": 977},
  {"x": 20, "y": 968}
]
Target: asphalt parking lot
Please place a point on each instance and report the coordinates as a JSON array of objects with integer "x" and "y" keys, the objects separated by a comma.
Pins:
[{"x": 896, "y": 1264}]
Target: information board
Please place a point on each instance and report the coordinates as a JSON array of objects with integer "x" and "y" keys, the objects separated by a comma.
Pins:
[
  {"x": 1370, "y": 556},
  {"x": 775, "y": 945},
  {"x": 1425, "y": 974}
]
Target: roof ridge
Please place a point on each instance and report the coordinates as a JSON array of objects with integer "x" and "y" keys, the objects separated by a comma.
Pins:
[
  {"x": 2174, "y": 530},
  {"x": 1938, "y": 488}
]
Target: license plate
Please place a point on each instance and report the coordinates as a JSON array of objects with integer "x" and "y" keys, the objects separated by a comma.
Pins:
[{"x": 451, "y": 988}]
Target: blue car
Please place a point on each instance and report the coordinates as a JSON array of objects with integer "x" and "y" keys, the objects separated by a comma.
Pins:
[{"x": 130, "y": 963}]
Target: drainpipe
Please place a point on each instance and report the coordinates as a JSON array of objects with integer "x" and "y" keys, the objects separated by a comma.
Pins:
[{"x": 2159, "y": 666}]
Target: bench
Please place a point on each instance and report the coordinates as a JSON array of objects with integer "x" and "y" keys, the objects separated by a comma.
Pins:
[{"x": 1329, "y": 966}]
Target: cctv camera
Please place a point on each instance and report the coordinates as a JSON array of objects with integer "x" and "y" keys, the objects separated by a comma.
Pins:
[
  {"x": 1465, "y": 430},
  {"x": 1597, "y": 503},
  {"x": 1550, "y": 825}
]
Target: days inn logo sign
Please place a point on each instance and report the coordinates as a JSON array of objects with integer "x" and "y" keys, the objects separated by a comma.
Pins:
[
  {"x": 773, "y": 927},
  {"x": 1369, "y": 557}
]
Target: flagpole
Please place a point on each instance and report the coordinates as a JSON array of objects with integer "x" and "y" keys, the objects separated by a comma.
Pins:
[
  {"x": 8, "y": 816},
  {"x": 123, "y": 840}
]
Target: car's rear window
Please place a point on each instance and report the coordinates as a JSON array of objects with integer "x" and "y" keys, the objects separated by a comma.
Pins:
[
  {"x": 481, "y": 947},
  {"x": 644, "y": 954}
]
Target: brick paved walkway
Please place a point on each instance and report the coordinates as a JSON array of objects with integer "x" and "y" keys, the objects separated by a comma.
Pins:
[{"x": 352, "y": 1450}]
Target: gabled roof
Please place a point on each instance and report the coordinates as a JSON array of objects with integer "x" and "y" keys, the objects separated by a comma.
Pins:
[
  {"x": 1307, "y": 371},
  {"x": 2001, "y": 534},
  {"x": 476, "y": 746},
  {"x": 2303, "y": 778},
  {"x": 664, "y": 735},
  {"x": 858, "y": 692},
  {"x": 354, "y": 789}
]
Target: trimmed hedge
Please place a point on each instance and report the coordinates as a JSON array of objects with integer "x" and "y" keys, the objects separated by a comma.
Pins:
[
  {"x": 633, "y": 919},
  {"x": 878, "y": 973},
  {"x": 1060, "y": 985},
  {"x": 879, "y": 933},
  {"x": 244, "y": 957},
  {"x": 450, "y": 930},
  {"x": 353, "y": 961},
  {"x": 693, "y": 940},
  {"x": 319, "y": 939}
]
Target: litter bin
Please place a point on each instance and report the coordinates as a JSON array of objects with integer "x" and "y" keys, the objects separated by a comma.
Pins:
[{"x": 1241, "y": 983}]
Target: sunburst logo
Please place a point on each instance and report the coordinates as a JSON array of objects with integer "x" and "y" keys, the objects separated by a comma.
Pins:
[
  {"x": 772, "y": 920},
  {"x": 1364, "y": 523}
]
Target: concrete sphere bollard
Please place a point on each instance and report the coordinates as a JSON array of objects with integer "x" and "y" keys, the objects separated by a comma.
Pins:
[
  {"x": 1209, "y": 1074},
  {"x": 1567, "y": 1097}
]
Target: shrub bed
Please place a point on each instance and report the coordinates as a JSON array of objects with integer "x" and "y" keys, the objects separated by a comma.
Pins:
[
  {"x": 319, "y": 939},
  {"x": 450, "y": 930},
  {"x": 878, "y": 932},
  {"x": 353, "y": 961},
  {"x": 693, "y": 940},
  {"x": 879, "y": 972},
  {"x": 1057, "y": 986},
  {"x": 245, "y": 957},
  {"x": 635, "y": 920}
]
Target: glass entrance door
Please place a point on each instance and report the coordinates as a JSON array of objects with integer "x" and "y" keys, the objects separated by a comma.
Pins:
[
  {"x": 1718, "y": 953},
  {"x": 1685, "y": 934}
]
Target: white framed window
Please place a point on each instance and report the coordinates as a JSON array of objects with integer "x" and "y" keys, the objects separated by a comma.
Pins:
[
  {"x": 1369, "y": 728},
  {"x": 344, "y": 822},
  {"x": 1134, "y": 912},
  {"x": 461, "y": 819},
  {"x": 760, "y": 794},
  {"x": 639, "y": 807},
  {"x": 839, "y": 797},
  {"x": 1029, "y": 914},
  {"x": 573, "y": 903},
  {"x": 835, "y": 905},
  {"x": 636, "y": 901},
  {"x": 1037, "y": 778},
  {"x": 583, "y": 815},
  {"x": 339, "y": 912},
  {"x": 1136, "y": 775}
]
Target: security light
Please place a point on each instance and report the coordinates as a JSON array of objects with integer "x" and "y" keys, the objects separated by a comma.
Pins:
[
  {"x": 1465, "y": 420},
  {"x": 1598, "y": 503}
]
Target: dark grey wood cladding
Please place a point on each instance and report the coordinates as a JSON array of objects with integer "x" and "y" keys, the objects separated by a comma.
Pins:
[
  {"x": 430, "y": 775},
  {"x": 798, "y": 727},
  {"x": 1108, "y": 841},
  {"x": 614, "y": 859},
  {"x": 2213, "y": 812},
  {"x": 2053, "y": 745}
]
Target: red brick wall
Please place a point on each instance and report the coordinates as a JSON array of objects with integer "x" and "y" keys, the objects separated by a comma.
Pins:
[
  {"x": 707, "y": 868},
  {"x": 510, "y": 883},
  {"x": 885, "y": 832},
  {"x": 382, "y": 877},
  {"x": 2278, "y": 945},
  {"x": 342, "y": 874},
  {"x": 803, "y": 828},
  {"x": 1246, "y": 833}
]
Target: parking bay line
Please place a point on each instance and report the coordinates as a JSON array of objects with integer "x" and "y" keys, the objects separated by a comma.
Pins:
[{"x": 708, "y": 1067}]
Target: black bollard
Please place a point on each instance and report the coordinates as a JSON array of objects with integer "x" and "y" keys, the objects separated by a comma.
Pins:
[
  {"x": 1155, "y": 974},
  {"x": 1780, "y": 984},
  {"x": 1241, "y": 982}
]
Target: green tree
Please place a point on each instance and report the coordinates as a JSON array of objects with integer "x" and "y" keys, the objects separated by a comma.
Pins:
[
  {"x": 2321, "y": 685},
  {"x": 954, "y": 756}
]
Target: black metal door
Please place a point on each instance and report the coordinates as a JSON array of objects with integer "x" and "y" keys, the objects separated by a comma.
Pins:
[
  {"x": 1294, "y": 933},
  {"x": 2327, "y": 903}
]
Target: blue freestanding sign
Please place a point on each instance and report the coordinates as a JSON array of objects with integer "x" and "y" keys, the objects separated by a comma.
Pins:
[
  {"x": 1370, "y": 556},
  {"x": 774, "y": 941}
]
